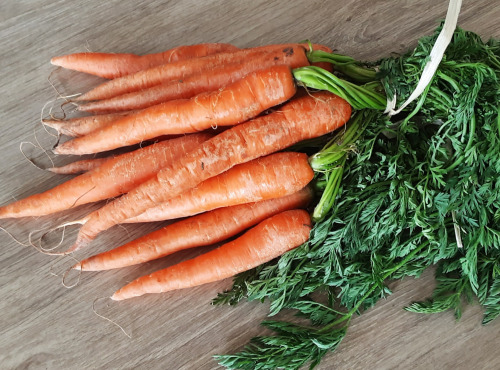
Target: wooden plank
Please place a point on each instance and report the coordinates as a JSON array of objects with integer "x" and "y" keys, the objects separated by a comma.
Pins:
[{"x": 44, "y": 325}]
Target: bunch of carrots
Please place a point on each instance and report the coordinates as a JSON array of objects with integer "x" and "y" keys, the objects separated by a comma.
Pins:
[{"x": 220, "y": 120}]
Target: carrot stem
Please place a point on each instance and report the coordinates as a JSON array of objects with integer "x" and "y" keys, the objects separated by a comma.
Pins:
[
  {"x": 344, "y": 64},
  {"x": 342, "y": 142},
  {"x": 358, "y": 97},
  {"x": 329, "y": 195},
  {"x": 332, "y": 158}
]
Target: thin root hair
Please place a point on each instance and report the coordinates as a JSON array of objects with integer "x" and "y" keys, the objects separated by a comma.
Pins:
[
  {"x": 59, "y": 95},
  {"x": 48, "y": 251},
  {"x": 108, "y": 319},
  {"x": 13, "y": 237},
  {"x": 51, "y": 116},
  {"x": 65, "y": 275},
  {"x": 31, "y": 161}
]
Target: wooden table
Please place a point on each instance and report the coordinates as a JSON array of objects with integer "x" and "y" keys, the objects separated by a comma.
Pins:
[{"x": 43, "y": 325}]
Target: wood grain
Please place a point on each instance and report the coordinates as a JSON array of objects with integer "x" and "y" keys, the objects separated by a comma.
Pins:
[{"x": 46, "y": 326}]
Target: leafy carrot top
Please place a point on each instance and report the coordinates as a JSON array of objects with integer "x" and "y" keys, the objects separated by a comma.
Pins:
[{"x": 421, "y": 190}]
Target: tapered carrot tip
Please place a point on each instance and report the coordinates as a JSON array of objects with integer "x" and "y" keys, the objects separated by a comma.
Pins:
[
  {"x": 63, "y": 170},
  {"x": 61, "y": 61},
  {"x": 118, "y": 297},
  {"x": 62, "y": 127},
  {"x": 79, "y": 244},
  {"x": 56, "y": 125},
  {"x": 82, "y": 241},
  {"x": 62, "y": 149},
  {"x": 56, "y": 61},
  {"x": 65, "y": 61},
  {"x": 79, "y": 98}
]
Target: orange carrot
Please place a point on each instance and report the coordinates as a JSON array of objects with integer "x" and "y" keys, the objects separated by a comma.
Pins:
[
  {"x": 273, "y": 176},
  {"x": 78, "y": 167},
  {"x": 109, "y": 65},
  {"x": 304, "y": 118},
  {"x": 269, "y": 239},
  {"x": 178, "y": 71},
  {"x": 231, "y": 105},
  {"x": 200, "y": 230},
  {"x": 116, "y": 176},
  {"x": 205, "y": 80},
  {"x": 76, "y": 127}
]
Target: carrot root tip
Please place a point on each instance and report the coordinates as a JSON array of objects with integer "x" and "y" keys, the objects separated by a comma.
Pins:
[{"x": 57, "y": 150}]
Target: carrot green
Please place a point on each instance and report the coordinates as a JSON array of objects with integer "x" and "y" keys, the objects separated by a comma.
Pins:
[{"x": 418, "y": 190}]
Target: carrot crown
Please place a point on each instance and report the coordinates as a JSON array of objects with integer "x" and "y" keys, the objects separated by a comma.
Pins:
[
  {"x": 359, "y": 97},
  {"x": 345, "y": 65},
  {"x": 329, "y": 162}
]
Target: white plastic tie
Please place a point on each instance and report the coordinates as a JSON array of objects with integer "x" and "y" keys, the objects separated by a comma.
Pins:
[{"x": 435, "y": 57}]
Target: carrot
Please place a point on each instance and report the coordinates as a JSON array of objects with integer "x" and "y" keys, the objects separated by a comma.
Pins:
[
  {"x": 179, "y": 70},
  {"x": 231, "y": 105},
  {"x": 200, "y": 230},
  {"x": 269, "y": 239},
  {"x": 76, "y": 127},
  {"x": 78, "y": 167},
  {"x": 273, "y": 176},
  {"x": 109, "y": 65},
  {"x": 116, "y": 176},
  {"x": 205, "y": 80},
  {"x": 304, "y": 118}
]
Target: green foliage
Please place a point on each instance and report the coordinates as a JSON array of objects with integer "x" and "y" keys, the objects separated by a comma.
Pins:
[
  {"x": 447, "y": 295},
  {"x": 291, "y": 348},
  {"x": 421, "y": 190},
  {"x": 492, "y": 302}
]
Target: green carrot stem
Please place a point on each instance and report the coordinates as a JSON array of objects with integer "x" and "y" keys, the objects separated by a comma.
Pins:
[
  {"x": 335, "y": 148},
  {"x": 357, "y": 96},
  {"x": 329, "y": 195},
  {"x": 345, "y": 65}
]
